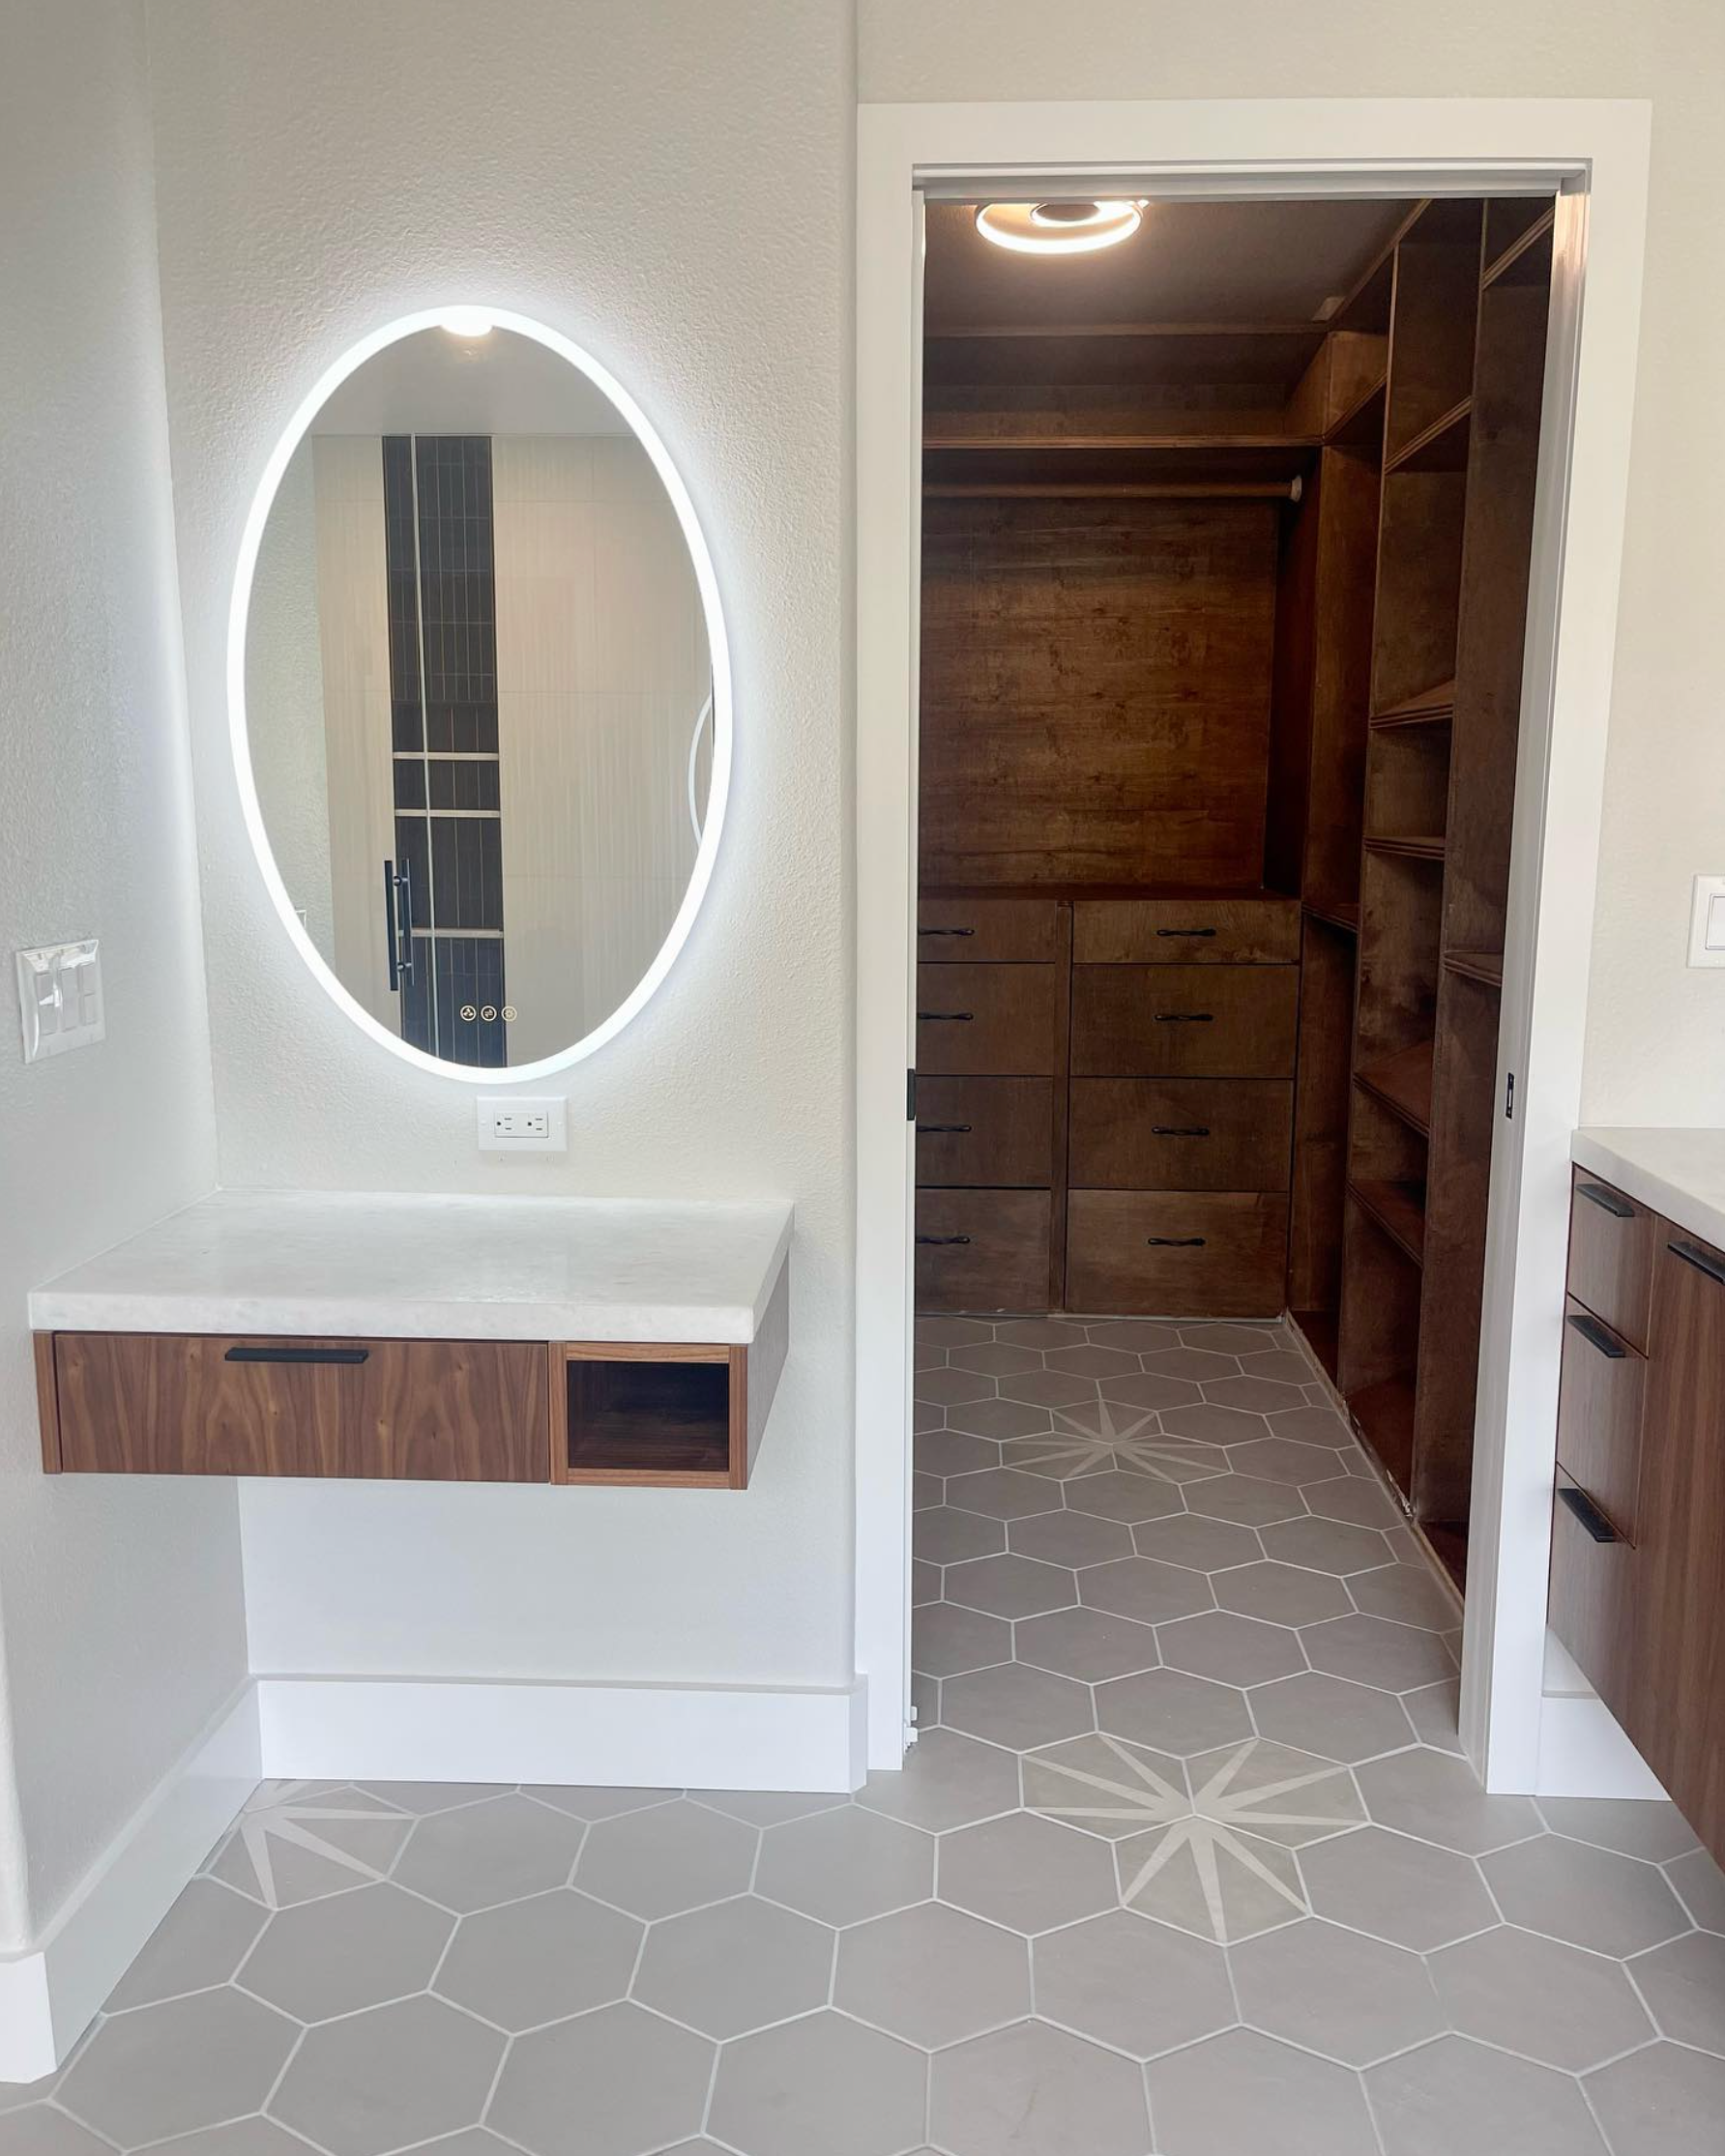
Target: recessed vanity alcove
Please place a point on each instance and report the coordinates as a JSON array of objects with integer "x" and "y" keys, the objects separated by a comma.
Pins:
[{"x": 389, "y": 1337}]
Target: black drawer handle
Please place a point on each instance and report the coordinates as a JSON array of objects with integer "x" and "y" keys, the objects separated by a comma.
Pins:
[
  {"x": 1185, "y": 931},
  {"x": 945, "y": 932},
  {"x": 1179, "y": 1131},
  {"x": 1588, "y": 1513},
  {"x": 944, "y": 1017},
  {"x": 1175, "y": 1242},
  {"x": 1608, "y": 1201},
  {"x": 1692, "y": 1254},
  {"x": 345, "y": 1355},
  {"x": 1185, "y": 1018},
  {"x": 944, "y": 1129},
  {"x": 943, "y": 1238},
  {"x": 1596, "y": 1336}
]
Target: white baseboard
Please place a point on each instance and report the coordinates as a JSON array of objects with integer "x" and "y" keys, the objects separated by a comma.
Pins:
[
  {"x": 1583, "y": 1752},
  {"x": 49, "y": 1992},
  {"x": 646, "y": 1735}
]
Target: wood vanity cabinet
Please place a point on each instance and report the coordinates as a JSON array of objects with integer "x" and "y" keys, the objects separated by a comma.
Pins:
[{"x": 1638, "y": 1541}]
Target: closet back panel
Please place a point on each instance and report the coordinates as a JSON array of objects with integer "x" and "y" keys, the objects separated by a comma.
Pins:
[{"x": 1095, "y": 691}]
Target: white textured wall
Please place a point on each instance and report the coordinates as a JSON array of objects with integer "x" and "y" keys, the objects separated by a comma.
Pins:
[
  {"x": 671, "y": 186},
  {"x": 1656, "y": 1029},
  {"x": 121, "y": 1627}
]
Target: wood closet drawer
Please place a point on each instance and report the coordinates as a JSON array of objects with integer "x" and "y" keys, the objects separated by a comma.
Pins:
[
  {"x": 1592, "y": 1605},
  {"x": 1185, "y": 1021},
  {"x": 1171, "y": 1252},
  {"x": 987, "y": 931},
  {"x": 1611, "y": 1256},
  {"x": 1181, "y": 1133},
  {"x": 995, "y": 1020},
  {"x": 1599, "y": 1416},
  {"x": 433, "y": 1411},
  {"x": 1185, "y": 931},
  {"x": 982, "y": 1249},
  {"x": 985, "y": 1131}
]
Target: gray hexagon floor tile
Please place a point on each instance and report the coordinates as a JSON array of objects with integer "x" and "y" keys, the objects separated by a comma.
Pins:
[
  {"x": 1134, "y": 1985},
  {"x": 932, "y": 1974},
  {"x": 170, "y": 2068},
  {"x": 1034, "y": 2091},
  {"x": 618, "y": 2081},
  {"x": 1104, "y": 1785},
  {"x": 1593, "y": 1898},
  {"x": 1246, "y": 1499},
  {"x": 1533, "y": 1995},
  {"x": 1017, "y": 1706},
  {"x": 539, "y": 1960},
  {"x": 333, "y": 1956},
  {"x": 582, "y": 1803},
  {"x": 1328, "y": 1989},
  {"x": 948, "y": 1638},
  {"x": 1026, "y": 1872},
  {"x": 941, "y": 1536},
  {"x": 951, "y": 1451},
  {"x": 1684, "y": 1982},
  {"x": 1439, "y": 1798},
  {"x": 39, "y": 2130},
  {"x": 1245, "y": 2094},
  {"x": 1330, "y": 1716},
  {"x": 1172, "y": 1711},
  {"x": 1324, "y": 1545},
  {"x": 948, "y": 1780},
  {"x": 1003, "y": 1494},
  {"x": 201, "y": 1941},
  {"x": 1089, "y": 1644},
  {"x": 1661, "y": 2101},
  {"x": 823, "y": 2082},
  {"x": 841, "y": 1867},
  {"x": 1374, "y": 1650},
  {"x": 1406, "y": 1892},
  {"x": 1145, "y": 1590},
  {"x": 1069, "y": 1539},
  {"x": 736, "y": 1967},
  {"x": 1282, "y": 1594},
  {"x": 490, "y": 1852},
  {"x": 1010, "y": 1587},
  {"x": 1701, "y": 1886},
  {"x": 1231, "y": 1648},
  {"x": 389, "y": 2077},
  {"x": 671, "y": 1857},
  {"x": 1659, "y": 1832},
  {"x": 1455, "y": 2095},
  {"x": 1199, "y": 1544}
]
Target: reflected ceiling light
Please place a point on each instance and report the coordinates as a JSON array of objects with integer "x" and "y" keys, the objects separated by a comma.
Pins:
[
  {"x": 1058, "y": 227},
  {"x": 465, "y": 321}
]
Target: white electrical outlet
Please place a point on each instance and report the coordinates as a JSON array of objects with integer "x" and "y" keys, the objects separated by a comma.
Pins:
[{"x": 519, "y": 1125}]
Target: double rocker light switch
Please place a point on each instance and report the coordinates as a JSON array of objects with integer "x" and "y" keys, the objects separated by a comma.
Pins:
[{"x": 60, "y": 998}]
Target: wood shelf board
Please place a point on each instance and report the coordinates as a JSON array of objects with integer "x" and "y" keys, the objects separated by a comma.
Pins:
[
  {"x": 1402, "y": 1083},
  {"x": 1432, "y": 707},
  {"x": 1383, "y": 1416},
  {"x": 1440, "y": 447},
  {"x": 1398, "y": 1209},
  {"x": 1484, "y": 966},
  {"x": 1513, "y": 266},
  {"x": 1425, "y": 846},
  {"x": 1362, "y": 425},
  {"x": 1340, "y": 914},
  {"x": 1117, "y": 459}
]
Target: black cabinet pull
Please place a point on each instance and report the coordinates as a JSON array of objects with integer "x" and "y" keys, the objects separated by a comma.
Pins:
[
  {"x": 1596, "y": 1336},
  {"x": 1185, "y": 931},
  {"x": 1175, "y": 1242},
  {"x": 345, "y": 1355},
  {"x": 1185, "y": 1018},
  {"x": 943, "y": 1238},
  {"x": 1704, "y": 1260},
  {"x": 1588, "y": 1513},
  {"x": 944, "y": 1017},
  {"x": 1608, "y": 1201},
  {"x": 1179, "y": 1131},
  {"x": 943, "y": 1129},
  {"x": 945, "y": 932}
]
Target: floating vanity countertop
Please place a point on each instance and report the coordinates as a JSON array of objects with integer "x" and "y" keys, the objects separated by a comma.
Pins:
[
  {"x": 1680, "y": 1173},
  {"x": 392, "y": 1265}
]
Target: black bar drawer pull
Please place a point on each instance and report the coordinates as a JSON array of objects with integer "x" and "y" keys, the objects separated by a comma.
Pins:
[
  {"x": 1596, "y": 1336},
  {"x": 1185, "y": 931},
  {"x": 945, "y": 932},
  {"x": 943, "y": 1238},
  {"x": 1175, "y": 1242},
  {"x": 1608, "y": 1201},
  {"x": 345, "y": 1355},
  {"x": 1185, "y": 1018},
  {"x": 1704, "y": 1260},
  {"x": 1588, "y": 1513},
  {"x": 944, "y": 1129},
  {"x": 944, "y": 1017},
  {"x": 1179, "y": 1131}
]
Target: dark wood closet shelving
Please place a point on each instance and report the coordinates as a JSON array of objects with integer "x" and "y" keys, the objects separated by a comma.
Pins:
[
  {"x": 1431, "y": 707},
  {"x": 1361, "y": 425},
  {"x": 1527, "y": 258},
  {"x": 1399, "y": 1210},
  {"x": 1483, "y": 966},
  {"x": 1403, "y": 1083},
  {"x": 1441, "y": 447},
  {"x": 1339, "y": 914},
  {"x": 1429, "y": 847}
]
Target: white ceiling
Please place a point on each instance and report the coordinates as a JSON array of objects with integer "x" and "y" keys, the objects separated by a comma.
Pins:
[
  {"x": 437, "y": 384},
  {"x": 1233, "y": 262}
]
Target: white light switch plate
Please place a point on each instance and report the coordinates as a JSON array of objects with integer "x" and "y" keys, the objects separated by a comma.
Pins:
[
  {"x": 60, "y": 998},
  {"x": 1707, "y": 921},
  {"x": 516, "y": 1125}
]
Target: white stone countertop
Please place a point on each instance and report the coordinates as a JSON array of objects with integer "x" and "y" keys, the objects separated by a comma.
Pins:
[
  {"x": 1678, "y": 1173},
  {"x": 399, "y": 1266}
]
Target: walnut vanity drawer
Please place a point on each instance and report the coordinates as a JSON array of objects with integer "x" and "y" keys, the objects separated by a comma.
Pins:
[
  {"x": 433, "y": 1410},
  {"x": 1166, "y": 1252},
  {"x": 1599, "y": 1416},
  {"x": 990, "y": 931},
  {"x": 1185, "y": 1021},
  {"x": 1611, "y": 1256},
  {"x": 1181, "y": 1133},
  {"x": 995, "y": 1020},
  {"x": 1185, "y": 931},
  {"x": 1596, "y": 1583},
  {"x": 982, "y": 1249},
  {"x": 985, "y": 1132}
]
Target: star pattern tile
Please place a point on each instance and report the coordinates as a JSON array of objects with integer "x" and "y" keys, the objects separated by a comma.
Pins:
[{"x": 1210, "y": 1864}]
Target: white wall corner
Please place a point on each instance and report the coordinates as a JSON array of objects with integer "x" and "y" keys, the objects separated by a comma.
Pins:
[
  {"x": 49, "y": 1993},
  {"x": 1584, "y": 1752}
]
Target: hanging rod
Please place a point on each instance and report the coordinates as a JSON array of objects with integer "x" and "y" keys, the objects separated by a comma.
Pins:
[{"x": 1135, "y": 491}]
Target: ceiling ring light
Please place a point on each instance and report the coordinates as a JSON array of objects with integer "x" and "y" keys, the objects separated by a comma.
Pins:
[{"x": 1059, "y": 226}]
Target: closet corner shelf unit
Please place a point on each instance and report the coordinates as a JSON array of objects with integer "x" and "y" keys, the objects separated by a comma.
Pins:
[{"x": 388, "y": 1336}]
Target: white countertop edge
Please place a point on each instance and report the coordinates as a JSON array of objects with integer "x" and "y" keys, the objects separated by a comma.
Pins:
[{"x": 1677, "y": 1173}]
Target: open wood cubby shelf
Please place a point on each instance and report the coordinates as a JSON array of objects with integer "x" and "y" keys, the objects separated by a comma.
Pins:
[{"x": 1403, "y": 1083}]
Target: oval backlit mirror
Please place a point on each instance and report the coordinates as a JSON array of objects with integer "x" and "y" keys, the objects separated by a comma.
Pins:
[{"x": 479, "y": 694}]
